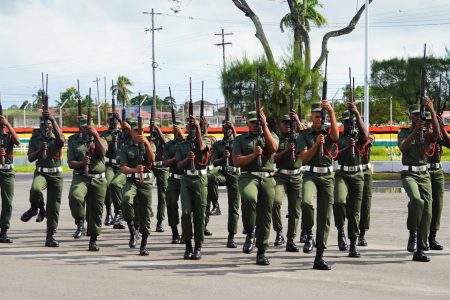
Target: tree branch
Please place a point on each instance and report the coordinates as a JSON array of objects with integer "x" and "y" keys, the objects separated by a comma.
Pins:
[
  {"x": 299, "y": 25},
  {"x": 260, "y": 35},
  {"x": 346, "y": 30}
]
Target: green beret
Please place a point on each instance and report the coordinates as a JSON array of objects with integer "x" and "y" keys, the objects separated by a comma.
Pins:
[
  {"x": 285, "y": 118},
  {"x": 251, "y": 116},
  {"x": 345, "y": 115},
  {"x": 83, "y": 122},
  {"x": 414, "y": 108},
  {"x": 110, "y": 114},
  {"x": 133, "y": 124},
  {"x": 315, "y": 107},
  {"x": 428, "y": 116}
]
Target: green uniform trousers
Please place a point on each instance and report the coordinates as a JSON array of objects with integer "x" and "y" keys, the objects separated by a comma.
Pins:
[
  {"x": 321, "y": 187},
  {"x": 257, "y": 194},
  {"x": 437, "y": 187},
  {"x": 54, "y": 185},
  {"x": 290, "y": 185},
  {"x": 418, "y": 188},
  {"x": 7, "y": 193},
  {"x": 109, "y": 199},
  {"x": 137, "y": 200},
  {"x": 194, "y": 190},
  {"x": 89, "y": 193},
  {"x": 366, "y": 203},
  {"x": 348, "y": 192},
  {"x": 162, "y": 176},
  {"x": 116, "y": 186},
  {"x": 234, "y": 198},
  {"x": 172, "y": 195}
]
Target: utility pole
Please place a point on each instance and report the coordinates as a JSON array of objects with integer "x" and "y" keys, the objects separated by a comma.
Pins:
[
  {"x": 104, "y": 78},
  {"x": 98, "y": 102},
  {"x": 154, "y": 63},
  {"x": 223, "y": 44}
]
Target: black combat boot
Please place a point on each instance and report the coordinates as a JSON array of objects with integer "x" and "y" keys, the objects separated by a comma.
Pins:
[
  {"x": 133, "y": 240},
  {"x": 4, "y": 236},
  {"x": 197, "y": 255},
  {"x": 353, "y": 251},
  {"x": 26, "y": 216},
  {"x": 419, "y": 255},
  {"x": 319, "y": 263},
  {"x": 188, "y": 251},
  {"x": 279, "y": 239},
  {"x": 159, "y": 227},
  {"x": 117, "y": 220},
  {"x": 291, "y": 246},
  {"x": 309, "y": 243},
  {"x": 175, "y": 235},
  {"x": 108, "y": 217},
  {"x": 249, "y": 243},
  {"x": 143, "y": 251},
  {"x": 261, "y": 258},
  {"x": 362, "y": 239},
  {"x": 41, "y": 214},
  {"x": 434, "y": 245},
  {"x": 207, "y": 232},
  {"x": 50, "y": 240},
  {"x": 93, "y": 244},
  {"x": 230, "y": 241},
  {"x": 215, "y": 211},
  {"x": 303, "y": 236},
  {"x": 80, "y": 228},
  {"x": 412, "y": 244},
  {"x": 342, "y": 241}
]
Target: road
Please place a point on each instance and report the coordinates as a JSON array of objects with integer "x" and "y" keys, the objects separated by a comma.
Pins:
[{"x": 385, "y": 269}]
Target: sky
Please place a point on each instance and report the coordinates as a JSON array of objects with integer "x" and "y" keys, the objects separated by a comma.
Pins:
[{"x": 89, "y": 39}]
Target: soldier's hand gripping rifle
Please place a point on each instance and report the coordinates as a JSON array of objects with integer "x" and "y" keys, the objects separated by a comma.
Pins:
[
  {"x": 87, "y": 138},
  {"x": 323, "y": 111},
  {"x": 113, "y": 121},
  {"x": 191, "y": 128},
  {"x": 202, "y": 113},
  {"x": 45, "y": 109},
  {"x": 258, "y": 118},
  {"x": 2, "y": 136},
  {"x": 293, "y": 123},
  {"x": 351, "y": 98},
  {"x": 141, "y": 149},
  {"x": 423, "y": 93}
]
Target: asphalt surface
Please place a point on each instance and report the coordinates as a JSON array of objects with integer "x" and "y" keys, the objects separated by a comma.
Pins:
[{"x": 385, "y": 269}]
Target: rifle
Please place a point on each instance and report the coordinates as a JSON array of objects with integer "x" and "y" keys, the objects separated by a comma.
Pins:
[
  {"x": 323, "y": 111},
  {"x": 113, "y": 121},
  {"x": 45, "y": 109},
  {"x": 258, "y": 117},
  {"x": 191, "y": 128},
  {"x": 153, "y": 132},
  {"x": 299, "y": 113},
  {"x": 2, "y": 136},
  {"x": 124, "y": 116},
  {"x": 172, "y": 109},
  {"x": 202, "y": 113},
  {"x": 351, "y": 99},
  {"x": 227, "y": 133},
  {"x": 439, "y": 111},
  {"x": 87, "y": 139},
  {"x": 293, "y": 124},
  {"x": 141, "y": 149},
  {"x": 79, "y": 105},
  {"x": 423, "y": 92}
]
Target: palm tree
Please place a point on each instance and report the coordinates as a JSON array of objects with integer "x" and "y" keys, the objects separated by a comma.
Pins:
[{"x": 120, "y": 89}]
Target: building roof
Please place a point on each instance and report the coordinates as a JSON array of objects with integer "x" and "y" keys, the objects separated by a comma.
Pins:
[{"x": 199, "y": 102}]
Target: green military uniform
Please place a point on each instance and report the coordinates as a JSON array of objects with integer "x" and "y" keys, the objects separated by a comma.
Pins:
[
  {"x": 348, "y": 188},
  {"x": 194, "y": 189},
  {"x": 257, "y": 189},
  {"x": 87, "y": 191},
  {"x": 366, "y": 203},
  {"x": 7, "y": 183},
  {"x": 48, "y": 175},
  {"x": 288, "y": 180},
  {"x": 417, "y": 184},
  {"x": 161, "y": 175}
]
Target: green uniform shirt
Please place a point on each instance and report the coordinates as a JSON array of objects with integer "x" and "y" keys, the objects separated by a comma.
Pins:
[
  {"x": 9, "y": 147},
  {"x": 109, "y": 135},
  {"x": 159, "y": 148},
  {"x": 130, "y": 155},
  {"x": 307, "y": 139},
  {"x": 286, "y": 162},
  {"x": 170, "y": 150},
  {"x": 436, "y": 158},
  {"x": 365, "y": 159},
  {"x": 219, "y": 148},
  {"x": 77, "y": 152},
  {"x": 415, "y": 155},
  {"x": 245, "y": 144},
  {"x": 346, "y": 158},
  {"x": 54, "y": 149},
  {"x": 200, "y": 161}
]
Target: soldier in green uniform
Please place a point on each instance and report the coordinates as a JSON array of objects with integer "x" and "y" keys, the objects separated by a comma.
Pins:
[
  {"x": 192, "y": 157},
  {"x": 174, "y": 182},
  {"x": 366, "y": 202},
  {"x": 414, "y": 144},
  {"x": 136, "y": 160},
  {"x": 46, "y": 149},
  {"x": 161, "y": 173},
  {"x": 86, "y": 152},
  {"x": 437, "y": 183},
  {"x": 349, "y": 178},
  {"x": 318, "y": 179},
  {"x": 7, "y": 142},
  {"x": 227, "y": 175},
  {"x": 112, "y": 166},
  {"x": 288, "y": 180},
  {"x": 254, "y": 153}
]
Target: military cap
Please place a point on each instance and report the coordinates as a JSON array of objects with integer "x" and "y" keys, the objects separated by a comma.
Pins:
[
  {"x": 345, "y": 115},
  {"x": 83, "y": 122},
  {"x": 133, "y": 124},
  {"x": 414, "y": 108},
  {"x": 285, "y": 118},
  {"x": 315, "y": 107},
  {"x": 251, "y": 116},
  {"x": 428, "y": 116}
]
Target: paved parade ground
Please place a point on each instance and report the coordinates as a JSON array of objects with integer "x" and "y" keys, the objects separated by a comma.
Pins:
[{"x": 385, "y": 270}]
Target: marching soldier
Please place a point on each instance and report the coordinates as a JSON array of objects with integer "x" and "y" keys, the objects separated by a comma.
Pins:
[
  {"x": 174, "y": 184},
  {"x": 161, "y": 173},
  {"x": 437, "y": 183},
  {"x": 7, "y": 142},
  {"x": 86, "y": 152},
  {"x": 316, "y": 152},
  {"x": 136, "y": 165},
  {"x": 211, "y": 199},
  {"x": 415, "y": 146},
  {"x": 46, "y": 149},
  {"x": 254, "y": 153},
  {"x": 192, "y": 157},
  {"x": 228, "y": 175},
  {"x": 349, "y": 178},
  {"x": 288, "y": 180}
]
